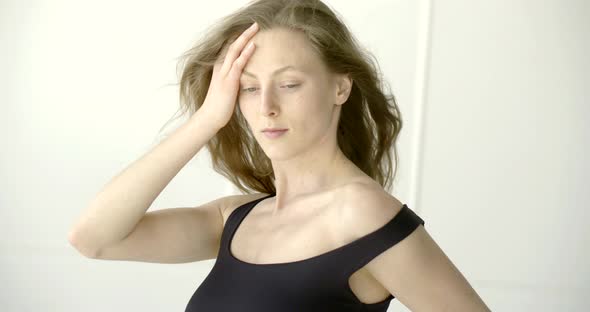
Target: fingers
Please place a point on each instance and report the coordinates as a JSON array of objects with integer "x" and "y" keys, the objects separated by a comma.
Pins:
[
  {"x": 238, "y": 66},
  {"x": 237, "y": 46}
]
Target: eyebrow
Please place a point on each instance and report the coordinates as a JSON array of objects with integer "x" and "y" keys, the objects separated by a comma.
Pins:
[{"x": 278, "y": 71}]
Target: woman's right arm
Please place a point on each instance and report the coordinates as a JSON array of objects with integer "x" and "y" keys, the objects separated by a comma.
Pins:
[
  {"x": 124, "y": 200},
  {"x": 113, "y": 215}
]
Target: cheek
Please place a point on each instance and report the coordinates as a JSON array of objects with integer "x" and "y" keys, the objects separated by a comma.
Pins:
[
  {"x": 317, "y": 102},
  {"x": 247, "y": 109},
  {"x": 245, "y": 113}
]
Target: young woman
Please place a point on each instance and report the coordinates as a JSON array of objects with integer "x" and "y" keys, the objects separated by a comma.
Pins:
[{"x": 292, "y": 108}]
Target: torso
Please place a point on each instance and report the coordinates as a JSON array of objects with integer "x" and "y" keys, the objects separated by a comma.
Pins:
[{"x": 310, "y": 228}]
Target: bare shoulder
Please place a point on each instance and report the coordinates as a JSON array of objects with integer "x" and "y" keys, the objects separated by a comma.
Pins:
[
  {"x": 366, "y": 207},
  {"x": 234, "y": 201}
]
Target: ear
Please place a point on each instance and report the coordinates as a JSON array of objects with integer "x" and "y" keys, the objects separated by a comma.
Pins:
[{"x": 343, "y": 88}]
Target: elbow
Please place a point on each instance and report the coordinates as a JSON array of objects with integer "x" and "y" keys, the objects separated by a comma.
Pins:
[{"x": 84, "y": 249}]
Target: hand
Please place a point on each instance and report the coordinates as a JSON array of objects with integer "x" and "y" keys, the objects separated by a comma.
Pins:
[{"x": 219, "y": 104}]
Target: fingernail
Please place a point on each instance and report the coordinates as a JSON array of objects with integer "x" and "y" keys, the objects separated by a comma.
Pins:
[{"x": 254, "y": 25}]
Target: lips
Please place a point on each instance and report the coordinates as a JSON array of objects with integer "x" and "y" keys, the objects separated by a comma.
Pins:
[{"x": 274, "y": 134}]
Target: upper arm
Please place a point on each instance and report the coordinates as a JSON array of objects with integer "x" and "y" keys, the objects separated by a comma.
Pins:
[
  {"x": 415, "y": 270},
  {"x": 172, "y": 235}
]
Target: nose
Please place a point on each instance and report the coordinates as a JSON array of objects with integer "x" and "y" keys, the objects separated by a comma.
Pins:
[{"x": 268, "y": 103}]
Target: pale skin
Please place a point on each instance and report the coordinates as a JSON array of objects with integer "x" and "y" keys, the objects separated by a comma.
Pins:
[
  {"x": 322, "y": 201},
  {"x": 308, "y": 164},
  {"x": 307, "y": 101}
]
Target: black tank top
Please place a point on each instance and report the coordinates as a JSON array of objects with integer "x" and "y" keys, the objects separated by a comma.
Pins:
[{"x": 319, "y": 283}]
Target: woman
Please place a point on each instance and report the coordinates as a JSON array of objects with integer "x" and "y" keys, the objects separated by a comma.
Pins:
[{"x": 289, "y": 106}]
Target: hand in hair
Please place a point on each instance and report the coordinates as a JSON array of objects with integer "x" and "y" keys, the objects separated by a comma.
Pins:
[{"x": 219, "y": 104}]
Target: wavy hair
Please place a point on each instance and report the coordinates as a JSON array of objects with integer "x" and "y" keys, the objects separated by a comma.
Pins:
[{"x": 370, "y": 120}]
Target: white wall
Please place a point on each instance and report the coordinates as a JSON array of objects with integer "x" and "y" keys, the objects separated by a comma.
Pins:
[
  {"x": 503, "y": 170},
  {"x": 492, "y": 153}
]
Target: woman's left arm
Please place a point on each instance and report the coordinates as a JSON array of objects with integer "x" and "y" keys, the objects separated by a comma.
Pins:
[
  {"x": 415, "y": 270},
  {"x": 419, "y": 274}
]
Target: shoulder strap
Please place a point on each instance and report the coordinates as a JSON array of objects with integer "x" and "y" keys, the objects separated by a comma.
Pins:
[
  {"x": 363, "y": 250},
  {"x": 233, "y": 221}
]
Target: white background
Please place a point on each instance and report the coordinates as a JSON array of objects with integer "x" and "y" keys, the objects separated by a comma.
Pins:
[{"x": 493, "y": 154}]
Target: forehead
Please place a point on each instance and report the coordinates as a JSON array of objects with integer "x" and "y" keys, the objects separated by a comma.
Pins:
[{"x": 279, "y": 47}]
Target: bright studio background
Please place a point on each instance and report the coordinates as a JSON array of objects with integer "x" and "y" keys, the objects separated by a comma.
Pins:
[{"x": 493, "y": 155}]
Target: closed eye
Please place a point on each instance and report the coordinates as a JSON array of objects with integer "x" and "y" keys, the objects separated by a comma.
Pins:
[
  {"x": 252, "y": 89},
  {"x": 246, "y": 89}
]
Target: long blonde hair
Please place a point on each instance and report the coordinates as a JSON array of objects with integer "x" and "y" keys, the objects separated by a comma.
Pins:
[{"x": 370, "y": 120}]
